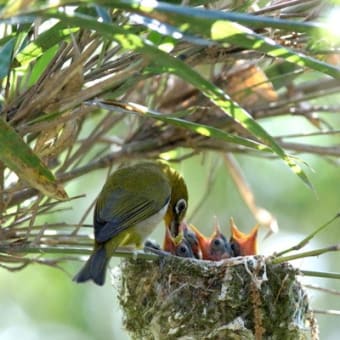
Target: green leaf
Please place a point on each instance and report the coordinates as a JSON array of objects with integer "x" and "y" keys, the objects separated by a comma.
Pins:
[
  {"x": 6, "y": 54},
  {"x": 44, "y": 41},
  {"x": 179, "y": 12},
  {"x": 170, "y": 64},
  {"x": 41, "y": 64},
  {"x": 222, "y": 27},
  {"x": 201, "y": 129},
  {"x": 168, "y": 31},
  {"x": 16, "y": 155}
]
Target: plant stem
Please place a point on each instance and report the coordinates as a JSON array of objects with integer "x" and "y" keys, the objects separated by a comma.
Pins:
[
  {"x": 28, "y": 249},
  {"x": 325, "y": 275},
  {"x": 315, "y": 252},
  {"x": 302, "y": 243}
]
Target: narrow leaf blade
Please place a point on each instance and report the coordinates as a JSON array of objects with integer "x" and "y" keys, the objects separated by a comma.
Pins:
[
  {"x": 15, "y": 154},
  {"x": 6, "y": 52},
  {"x": 131, "y": 41}
]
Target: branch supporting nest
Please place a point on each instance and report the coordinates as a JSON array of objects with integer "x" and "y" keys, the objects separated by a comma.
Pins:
[{"x": 240, "y": 298}]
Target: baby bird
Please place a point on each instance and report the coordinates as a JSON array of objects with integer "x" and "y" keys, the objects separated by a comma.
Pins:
[
  {"x": 178, "y": 246},
  {"x": 213, "y": 248},
  {"x": 243, "y": 244}
]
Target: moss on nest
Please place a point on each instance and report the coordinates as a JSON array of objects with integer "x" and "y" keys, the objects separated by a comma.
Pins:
[{"x": 239, "y": 298}]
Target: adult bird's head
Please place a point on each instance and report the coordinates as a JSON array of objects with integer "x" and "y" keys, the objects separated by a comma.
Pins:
[{"x": 178, "y": 204}]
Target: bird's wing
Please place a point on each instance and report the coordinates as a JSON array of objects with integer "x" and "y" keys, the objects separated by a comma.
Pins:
[{"x": 117, "y": 214}]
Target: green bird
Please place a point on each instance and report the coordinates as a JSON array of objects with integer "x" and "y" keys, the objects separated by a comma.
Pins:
[{"x": 131, "y": 204}]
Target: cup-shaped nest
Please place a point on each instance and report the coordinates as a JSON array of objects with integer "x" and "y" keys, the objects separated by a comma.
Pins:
[{"x": 239, "y": 298}]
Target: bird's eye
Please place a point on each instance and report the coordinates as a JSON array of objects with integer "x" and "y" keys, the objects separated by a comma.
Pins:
[
  {"x": 235, "y": 247},
  {"x": 218, "y": 245},
  {"x": 180, "y": 206},
  {"x": 217, "y": 242},
  {"x": 183, "y": 251}
]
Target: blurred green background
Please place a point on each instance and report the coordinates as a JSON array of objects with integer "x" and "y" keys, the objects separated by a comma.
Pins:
[{"x": 43, "y": 303}]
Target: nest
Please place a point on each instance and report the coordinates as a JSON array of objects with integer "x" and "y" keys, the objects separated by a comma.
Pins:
[{"x": 239, "y": 298}]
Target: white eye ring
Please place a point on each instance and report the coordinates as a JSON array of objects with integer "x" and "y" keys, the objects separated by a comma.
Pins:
[{"x": 180, "y": 206}]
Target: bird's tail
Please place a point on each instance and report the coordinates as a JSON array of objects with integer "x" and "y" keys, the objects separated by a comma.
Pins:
[{"x": 95, "y": 267}]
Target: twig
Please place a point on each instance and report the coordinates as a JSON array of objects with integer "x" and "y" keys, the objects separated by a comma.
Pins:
[
  {"x": 327, "y": 311},
  {"x": 209, "y": 185},
  {"x": 323, "y": 289},
  {"x": 302, "y": 243},
  {"x": 262, "y": 216},
  {"x": 28, "y": 249},
  {"x": 309, "y": 134},
  {"x": 282, "y": 5},
  {"x": 325, "y": 275},
  {"x": 314, "y": 149},
  {"x": 315, "y": 252}
]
